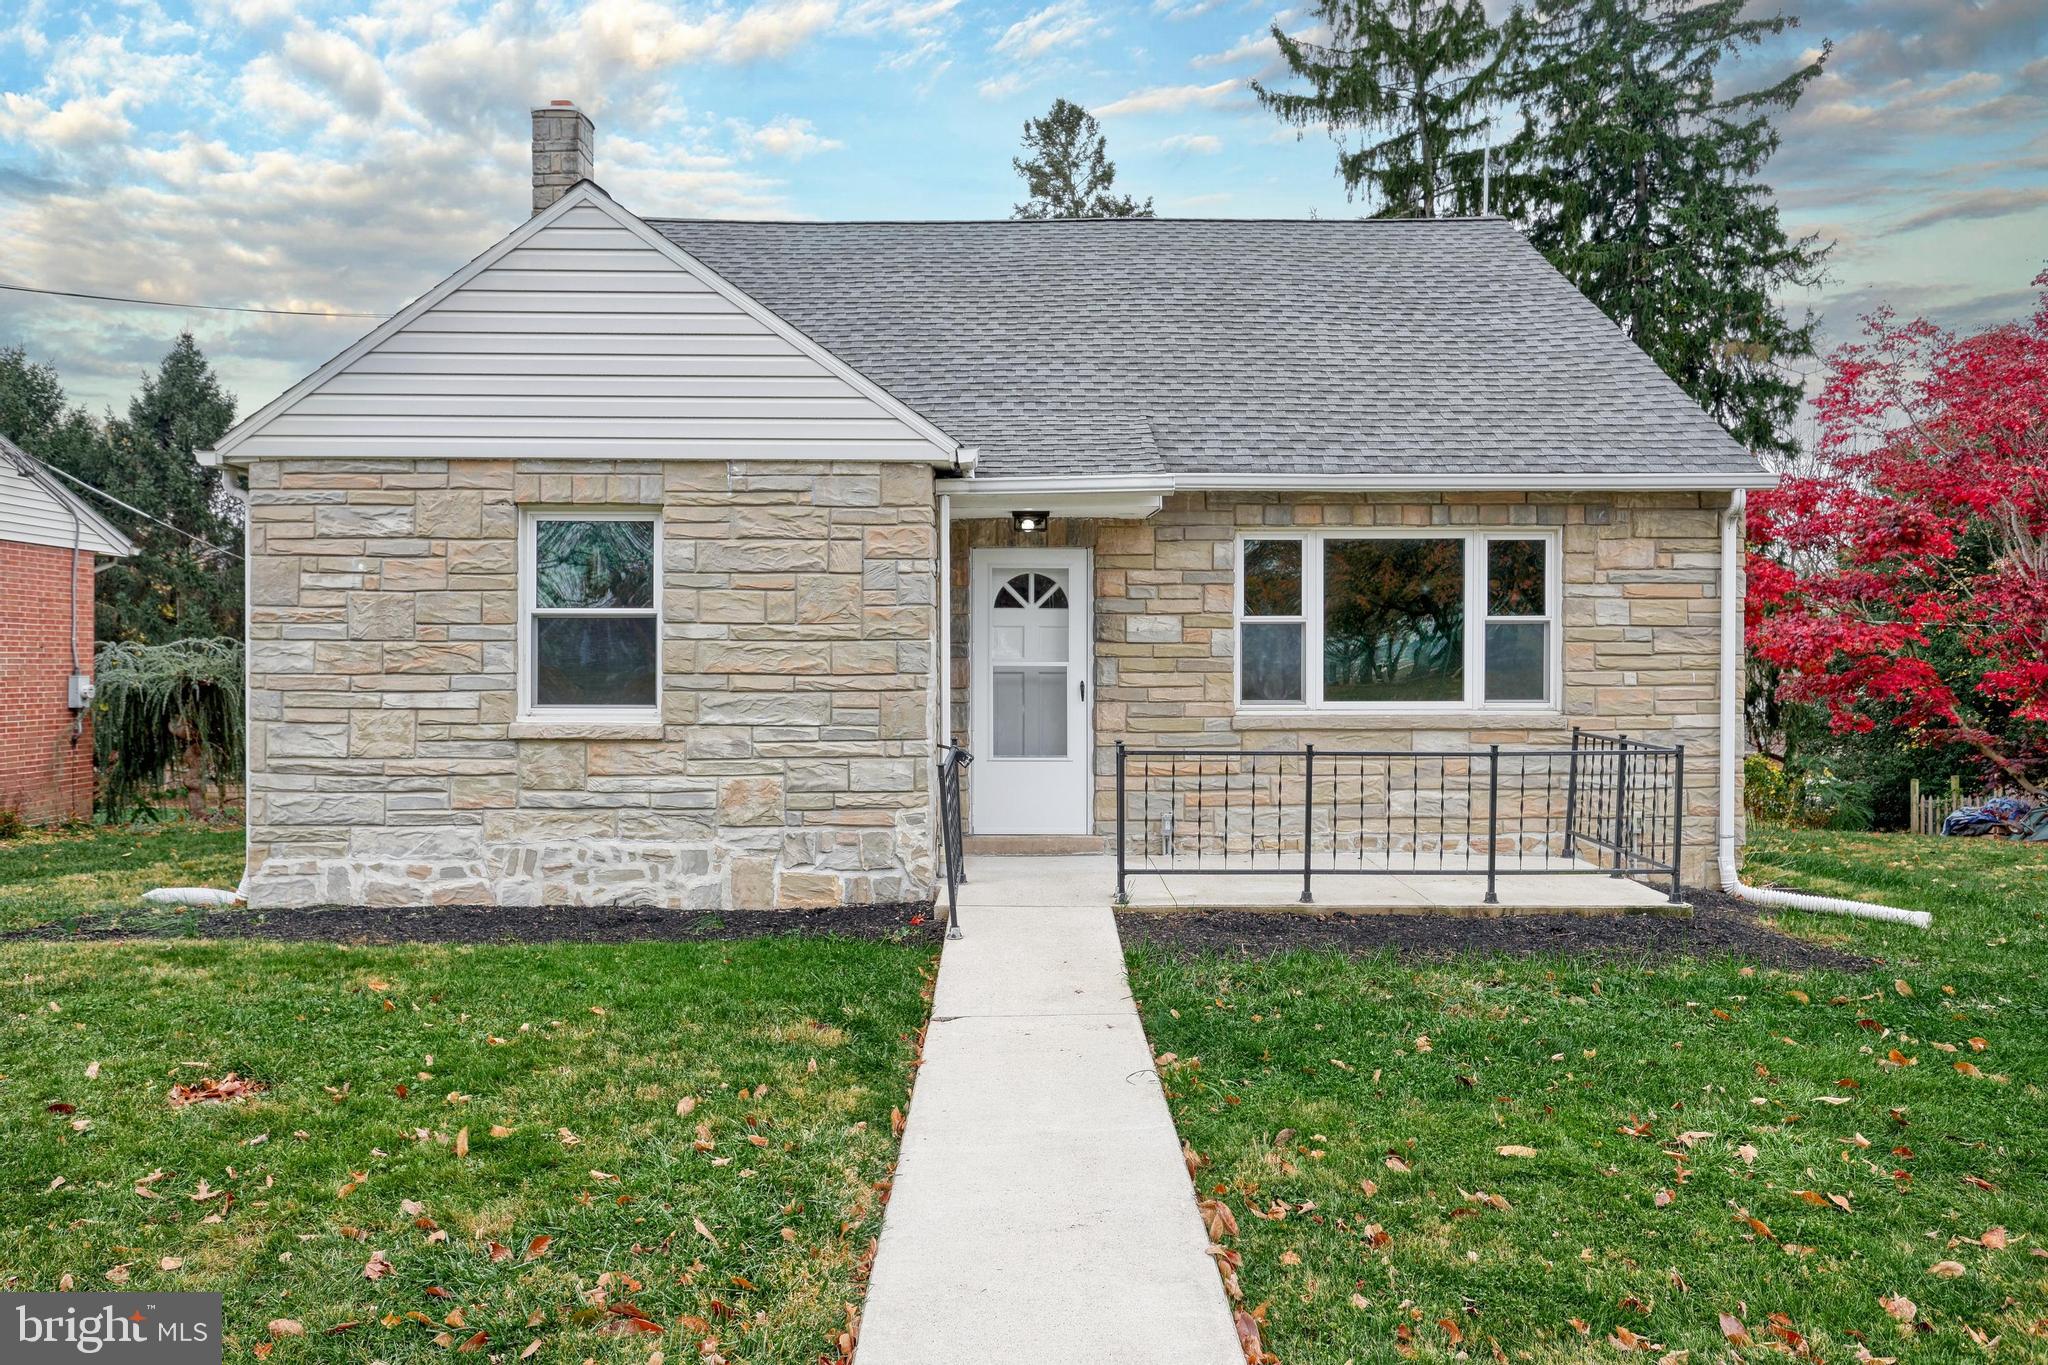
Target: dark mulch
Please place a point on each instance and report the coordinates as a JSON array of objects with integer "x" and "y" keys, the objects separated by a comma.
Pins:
[
  {"x": 910, "y": 921},
  {"x": 1720, "y": 926}
]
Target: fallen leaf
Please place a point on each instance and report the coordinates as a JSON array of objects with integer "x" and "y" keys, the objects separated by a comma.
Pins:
[
  {"x": 1993, "y": 1239},
  {"x": 1899, "y": 1307},
  {"x": 377, "y": 1267},
  {"x": 1515, "y": 1149},
  {"x": 287, "y": 1327},
  {"x": 1947, "y": 1270},
  {"x": 705, "y": 1233},
  {"x": 229, "y": 1089},
  {"x": 462, "y": 1143},
  {"x": 538, "y": 1247},
  {"x": 1737, "y": 1334}
]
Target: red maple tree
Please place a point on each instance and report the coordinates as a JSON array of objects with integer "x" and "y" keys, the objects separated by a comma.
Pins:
[{"x": 1905, "y": 583}]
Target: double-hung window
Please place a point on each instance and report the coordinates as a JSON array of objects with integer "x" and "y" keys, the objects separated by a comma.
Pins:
[
  {"x": 1397, "y": 620},
  {"x": 590, "y": 630}
]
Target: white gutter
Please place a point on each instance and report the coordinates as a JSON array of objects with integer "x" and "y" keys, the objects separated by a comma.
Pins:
[
  {"x": 1403, "y": 483},
  {"x": 1732, "y": 745}
]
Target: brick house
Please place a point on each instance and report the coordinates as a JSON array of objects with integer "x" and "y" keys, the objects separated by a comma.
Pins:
[
  {"x": 50, "y": 541},
  {"x": 652, "y": 560}
]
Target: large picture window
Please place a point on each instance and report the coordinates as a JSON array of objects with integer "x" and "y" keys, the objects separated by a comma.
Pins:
[
  {"x": 590, "y": 584},
  {"x": 1398, "y": 620}
]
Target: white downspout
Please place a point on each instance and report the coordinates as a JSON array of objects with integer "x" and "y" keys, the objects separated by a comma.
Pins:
[
  {"x": 1732, "y": 745},
  {"x": 945, "y": 618}
]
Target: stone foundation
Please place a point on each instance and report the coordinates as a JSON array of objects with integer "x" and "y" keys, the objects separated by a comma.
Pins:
[{"x": 790, "y": 766}]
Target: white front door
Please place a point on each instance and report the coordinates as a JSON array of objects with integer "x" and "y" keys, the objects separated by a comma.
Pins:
[{"x": 1029, "y": 692}]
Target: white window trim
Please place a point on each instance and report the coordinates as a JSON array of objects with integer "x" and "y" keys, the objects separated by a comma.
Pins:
[
  {"x": 1474, "y": 540},
  {"x": 529, "y": 518}
]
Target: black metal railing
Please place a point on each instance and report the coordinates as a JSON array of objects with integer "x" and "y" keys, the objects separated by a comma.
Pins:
[
  {"x": 1605, "y": 804},
  {"x": 952, "y": 760}
]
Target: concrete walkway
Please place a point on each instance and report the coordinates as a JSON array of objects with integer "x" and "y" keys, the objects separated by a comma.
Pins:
[{"x": 1041, "y": 1211}]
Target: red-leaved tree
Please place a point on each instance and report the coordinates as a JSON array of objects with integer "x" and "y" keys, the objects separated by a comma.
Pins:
[{"x": 1906, "y": 583}]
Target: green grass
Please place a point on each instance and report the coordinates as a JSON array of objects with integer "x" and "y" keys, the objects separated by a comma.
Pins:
[
  {"x": 1298, "y": 1077},
  {"x": 57, "y": 875},
  {"x": 378, "y": 1062}
]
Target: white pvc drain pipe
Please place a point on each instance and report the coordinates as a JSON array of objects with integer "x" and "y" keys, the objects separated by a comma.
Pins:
[{"x": 1731, "y": 750}]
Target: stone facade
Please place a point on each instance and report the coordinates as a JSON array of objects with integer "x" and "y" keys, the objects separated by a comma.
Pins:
[
  {"x": 1641, "y": 623},
  {"x": 387, "y": 760}
]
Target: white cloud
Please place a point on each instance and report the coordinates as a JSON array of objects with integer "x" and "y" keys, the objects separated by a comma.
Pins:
[
  {"x": 75, "y": 126},
  {"x": 1206, "y": 144},
  {"x": 786, "y": 137},
  {"x": 1062, "y": 24},
  {"x": 1169, "y": 99},
  {"x": 1003, "y": 86}
]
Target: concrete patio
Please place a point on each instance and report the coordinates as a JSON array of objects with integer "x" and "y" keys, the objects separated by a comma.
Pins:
[{"x": 1404, "y": 887}]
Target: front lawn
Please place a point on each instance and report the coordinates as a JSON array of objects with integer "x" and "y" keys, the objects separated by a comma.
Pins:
[
  {"x": 1567, "y": 1159},
  {"x": 603, "y": 1149}
]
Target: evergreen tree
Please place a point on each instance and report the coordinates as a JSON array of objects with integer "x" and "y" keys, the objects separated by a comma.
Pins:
[
  {"x": 171, "y": 588},
  {"x": 1640, "y": 181},
  {"x": 1416, "y": 80},
  {"x": 1068, "y": 173}
]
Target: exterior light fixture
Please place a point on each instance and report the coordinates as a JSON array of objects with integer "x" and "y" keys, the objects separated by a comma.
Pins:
[{"x": 1029, "y": 523}]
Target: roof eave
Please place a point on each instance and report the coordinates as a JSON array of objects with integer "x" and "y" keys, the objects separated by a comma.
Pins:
[{"x": 1420, "y": 482}]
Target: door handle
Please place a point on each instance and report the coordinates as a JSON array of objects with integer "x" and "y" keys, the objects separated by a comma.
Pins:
[{"x": 1084, "y": 688}]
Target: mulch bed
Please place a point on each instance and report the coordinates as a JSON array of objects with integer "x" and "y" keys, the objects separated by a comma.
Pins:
[
  {"x": 908, "y": 921},
  {"x": 1720, "y": 926}
]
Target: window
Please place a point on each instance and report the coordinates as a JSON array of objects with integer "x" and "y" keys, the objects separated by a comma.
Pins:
[
  {"x": 1270, "y": 637},
  {"x": 590, "y": 585},
  {"x": 1028, "y": 646},
  {"x": 1398, "y": 620}
]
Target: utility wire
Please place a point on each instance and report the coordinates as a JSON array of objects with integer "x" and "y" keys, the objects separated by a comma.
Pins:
[
  {"x": 205, "y": 545},
  {"x": 165, "y": 303}
]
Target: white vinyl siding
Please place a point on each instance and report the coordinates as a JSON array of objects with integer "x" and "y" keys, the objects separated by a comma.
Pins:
[
  {"x": 585, "y": 342},
  {"x": 33, "y": 515}
]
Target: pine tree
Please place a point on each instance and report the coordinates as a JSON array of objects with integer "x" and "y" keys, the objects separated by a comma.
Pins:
[
  {"x": 1068, "y": 173},
  {"x": 1640, "y": 181},
  {"x": 1416, "y": 80},
  {"x": 171, "y": 588}
]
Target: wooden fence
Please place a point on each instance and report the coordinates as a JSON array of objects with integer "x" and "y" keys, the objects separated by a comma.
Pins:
[{"x": 1929, "y": 810}]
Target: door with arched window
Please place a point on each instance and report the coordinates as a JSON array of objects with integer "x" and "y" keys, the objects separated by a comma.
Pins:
[{"x": 1028, "y": 695}]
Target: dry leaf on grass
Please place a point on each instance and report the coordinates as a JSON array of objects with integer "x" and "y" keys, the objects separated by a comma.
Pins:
[
  {"x": 229, "y": 1089},
  {"x": 1515, "y": 1149},
  {"x": 1947, "y": 1270}
]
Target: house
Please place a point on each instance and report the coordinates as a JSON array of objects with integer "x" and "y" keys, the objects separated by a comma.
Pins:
[
  {"x": 650, "y": 560},
  {"x": 50, "y": 540}
]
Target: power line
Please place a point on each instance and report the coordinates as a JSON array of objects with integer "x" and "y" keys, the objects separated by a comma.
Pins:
[
  {"x": 164, "y": 303},
  {"x": 205, "y": 545}
]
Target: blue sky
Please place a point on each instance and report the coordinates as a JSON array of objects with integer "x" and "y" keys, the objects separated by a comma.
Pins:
[{"x": 344, "y": 154}]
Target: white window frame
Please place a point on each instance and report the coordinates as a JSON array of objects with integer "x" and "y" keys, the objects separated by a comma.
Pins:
[
  {"x": 529, "y": 570},
  {"x": 1475, "y": 539}
]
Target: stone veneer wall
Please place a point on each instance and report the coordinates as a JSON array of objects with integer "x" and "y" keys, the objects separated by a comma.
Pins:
[
  {"x": 1641, "y": 627},
  {"x": 387, "y": 764}
]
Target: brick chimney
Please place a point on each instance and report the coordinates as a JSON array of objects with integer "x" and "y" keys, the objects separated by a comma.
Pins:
[{"x": 564, "y": 150}]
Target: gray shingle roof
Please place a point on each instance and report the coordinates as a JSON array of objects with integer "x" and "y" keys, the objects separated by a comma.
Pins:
[{"x": 1201, "y": 347}]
